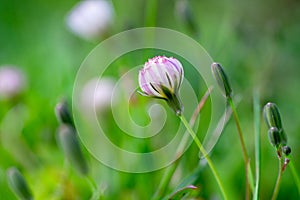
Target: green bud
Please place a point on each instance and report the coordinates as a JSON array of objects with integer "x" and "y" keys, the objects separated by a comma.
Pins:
[
  {"x": 274, "y": 136},
  {"x": 272, "y": 116},
  {"x": 283, "y": 137},
  {"x": 286, "y": 150},
  {"x": 63, "y": 113},
  {"x": 71, "y": 147},
  {"x": 222, "y": 79},
  {"x": 18, "y": 184}
]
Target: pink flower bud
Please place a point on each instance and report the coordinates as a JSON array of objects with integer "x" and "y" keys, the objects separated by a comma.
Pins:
[{"x": 161, "y": 77}]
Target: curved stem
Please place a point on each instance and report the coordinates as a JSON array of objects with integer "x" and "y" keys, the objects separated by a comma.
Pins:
[
  {"x": 203, "y": 151},
  {"x": 276, "y": 189},
  {"x": 245, "y": 155},
  {"x": 171, "y": 169},
  {"x": 238, "y": 126}
]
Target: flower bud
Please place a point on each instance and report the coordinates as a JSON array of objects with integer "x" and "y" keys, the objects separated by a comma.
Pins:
[
  {"x": 272, "y": 116},
  {"x": 286, "y": 150},
  {"x": 63, "y": 113},
  {"x": 273, "y": 119},
  {"x": 274, "y": 136},
  {"x": 18, "y": 184},
  {"x": 283, "y": 137},
  {"x": 161, "y": 77},
  {"x": 222, "y": 79},
  {"x": 69, "y": 143}
]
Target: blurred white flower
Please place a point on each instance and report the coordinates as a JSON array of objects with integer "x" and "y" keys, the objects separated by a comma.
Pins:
[
  {"x": 90, "y": 18},
  {"x": 12, "y": 82},
  {"x": 97, "y": 94}
]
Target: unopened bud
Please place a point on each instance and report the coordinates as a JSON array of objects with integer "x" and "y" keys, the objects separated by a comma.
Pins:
[
  {"x": 283, "y": 137},
  {"x": 222, "y": 79},
  {"x": 63, "y": 113},
  {"x": 286, "y": 150},
  {"x": 274, "y": 136},
  {"x": 272, "y": 116},
  {"x": 70, "y": 145},
  {"x": 18, "y": 184},
  {"x": 161, "y": 77}
]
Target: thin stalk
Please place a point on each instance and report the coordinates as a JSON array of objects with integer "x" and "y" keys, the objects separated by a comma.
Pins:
[
  {"x": 295, "y": 175},
  {"x": 250, "y": 177},
  {"x": 256, "y": 107},
  {"x": 276, "y": 189},
  {"x": 245, "y": 155},
  {"x": 203, "y": 151},
  {"x": 238, "y": 126},
  {"x": 171, "y": 169}
]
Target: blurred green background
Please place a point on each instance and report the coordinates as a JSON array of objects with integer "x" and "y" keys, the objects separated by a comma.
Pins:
[{"x": 257, "y": 42}]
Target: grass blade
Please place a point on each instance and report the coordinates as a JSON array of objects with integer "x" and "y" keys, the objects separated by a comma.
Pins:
[{"x": 256, "y": 108}]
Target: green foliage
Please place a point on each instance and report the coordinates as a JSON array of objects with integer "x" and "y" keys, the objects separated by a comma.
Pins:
[{"x": 257, "y": 41}]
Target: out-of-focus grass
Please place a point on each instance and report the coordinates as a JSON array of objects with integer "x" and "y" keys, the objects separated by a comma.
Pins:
[{"x": 257, "y": 42}]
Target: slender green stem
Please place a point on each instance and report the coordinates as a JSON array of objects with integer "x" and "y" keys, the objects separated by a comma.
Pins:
[
  {"x": 250, "y": 177},
  {"x": 203, "y": 151},
  {"x": 171, "y": 169},
  {"x": 245, "y": 155},
  {"x": 295, "y": 175},
  {"x": 276, "y": 189},
  {"x": 256, "y": 106},
  {"x": 238, "y": 126}
]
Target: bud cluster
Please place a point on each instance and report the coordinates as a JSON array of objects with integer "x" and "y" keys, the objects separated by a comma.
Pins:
[{"x": 277, "y": 135}]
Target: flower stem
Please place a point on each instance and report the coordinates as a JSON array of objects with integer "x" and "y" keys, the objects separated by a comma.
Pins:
[
  {"x": 245, "y": 155},
  {"x": 276, "y": 189},
  {"x": 238, "y": 126},
  {"x": 171, "y": 169},
  {"x": 203, "y": 151}
]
